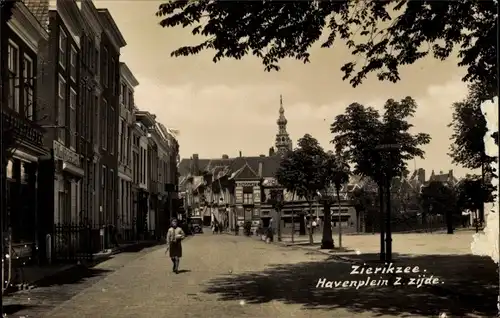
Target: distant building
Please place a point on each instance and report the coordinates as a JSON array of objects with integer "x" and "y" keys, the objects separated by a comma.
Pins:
[{"x": 236, "y": 190}]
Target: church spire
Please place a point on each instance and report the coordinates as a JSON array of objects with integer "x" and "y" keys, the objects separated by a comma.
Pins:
[{"x": 283, "y": 141}]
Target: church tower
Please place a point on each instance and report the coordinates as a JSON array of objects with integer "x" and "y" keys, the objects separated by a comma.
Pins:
[{"x": 283, "y": 142}]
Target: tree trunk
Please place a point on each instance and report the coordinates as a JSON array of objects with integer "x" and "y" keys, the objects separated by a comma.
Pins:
[
  {"x": 481, "y": 207},
  {"x": 279, "y": 224},
  {"x": 309, "y": 222},
  {"x": 302, "y": 224},
  {"x": 449, "y": 222},
  {"x": 327, "y": 240},
  {"x": 382, "y": 223},
  {"x": 340, "y": 217}
]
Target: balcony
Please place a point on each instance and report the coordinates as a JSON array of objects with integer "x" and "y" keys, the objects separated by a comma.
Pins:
[{"x": 19, "y": 128}]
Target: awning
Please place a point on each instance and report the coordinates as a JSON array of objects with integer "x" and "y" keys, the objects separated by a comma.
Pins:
[
  {"x": 123, "y": 176},
  {"x": 74, "y": 170}
]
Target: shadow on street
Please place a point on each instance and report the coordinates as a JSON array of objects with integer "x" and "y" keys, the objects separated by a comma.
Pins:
[
  {"x": 12, "y": 309},
  {"x": 75, "y": 275},
  {"x": 469, "y": 286}
]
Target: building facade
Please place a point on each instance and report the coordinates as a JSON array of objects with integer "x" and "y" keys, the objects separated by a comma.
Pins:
[
  {"x": 21, "y": 41},
  {"x": 90, "y": 94},
  {"x": 125, "y": 126},
  {"x": 109, "y": 58},
  {"x": 140, "y": 187}
]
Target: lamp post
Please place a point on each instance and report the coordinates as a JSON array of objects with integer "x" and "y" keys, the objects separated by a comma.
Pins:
[{"x": 390, "y": 149}]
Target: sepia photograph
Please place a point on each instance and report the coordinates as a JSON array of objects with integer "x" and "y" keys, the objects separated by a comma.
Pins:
[{"x": 261, "y": 158}]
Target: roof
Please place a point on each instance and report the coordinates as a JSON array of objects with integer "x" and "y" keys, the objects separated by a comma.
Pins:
[
  {"x": 40, "y": 10},
  {"x": 239, "y": 167}
]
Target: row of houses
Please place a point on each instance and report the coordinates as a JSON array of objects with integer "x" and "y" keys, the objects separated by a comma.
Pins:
[
  {"x": 84, "y": 168},
  {"x": 242, "y": 189}
]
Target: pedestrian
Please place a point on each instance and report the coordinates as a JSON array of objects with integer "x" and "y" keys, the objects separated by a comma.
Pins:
[{"x": 174, "y": 238}]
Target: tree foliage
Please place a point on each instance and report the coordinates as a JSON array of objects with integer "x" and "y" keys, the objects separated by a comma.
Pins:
[
  {"x": 469, "y": 129},
  {"x": 438, "y": 198},
  {"x": 382, "y": 35},
  {"x": 308, "y": 170},
  {"x": 472, "y": 193},
  {"x": 360, "y": 130},
  {"x": 300, "y": 170}
]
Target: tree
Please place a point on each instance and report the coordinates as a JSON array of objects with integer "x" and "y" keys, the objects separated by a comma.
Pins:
[
  {"x": 277, "y": 202},
  {"x": 335, "y": 171},
  {"x": 360, "y": 130},
  {"x": 364, "y": 203},
  {"x": 472, "y": 192},
  {"x": 467, "y": 141},
  {"x": 438, "y": 198},
  {"x": 300, "y": 172},
  {"x": 382, "y": 35}
]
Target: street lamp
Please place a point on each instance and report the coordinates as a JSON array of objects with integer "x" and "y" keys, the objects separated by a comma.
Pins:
[{"x": 390, "y": 149}]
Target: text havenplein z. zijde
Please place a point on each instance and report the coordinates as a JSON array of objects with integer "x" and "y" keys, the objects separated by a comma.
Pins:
[{"x": 400, "y": 275}]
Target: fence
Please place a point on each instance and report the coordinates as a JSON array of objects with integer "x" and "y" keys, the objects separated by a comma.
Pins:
[{"x": 72, "y": 242}]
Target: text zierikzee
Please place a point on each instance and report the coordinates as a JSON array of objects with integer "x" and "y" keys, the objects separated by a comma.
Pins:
[{"x": 400, "y": 275}]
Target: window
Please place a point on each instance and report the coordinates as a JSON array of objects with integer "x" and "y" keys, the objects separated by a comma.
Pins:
[
  {"x": 13, "y": 65},
  {"x": 29, "y": 87},
  {"x": 96, "y": 61},
  {"x": 72, "y": 118},
  {"x": 63, "y": 44},
  {"x": 247, "y": 195},
  {"x": 130, "y": 100},
  {"x": 10, "y": 169},
  {"x": 123, "y": 94},
  {"x": 126, "y": 144},
  {"x": 104, "y": 128},
  {"x": 103, "y": 177},
  {"x": 112, "y": 131},
  {"x": 96, "y": 119},
  {"x": 61, "y": 110},
  {"x": 120, "y": 139},
  {"x": 112, "y": 76},
  {"x": 105, "y": 67},
  {"x": 73, "y": 63},
  {"x": 247, "y": 198},
  {"x": 103, "y": 193}
]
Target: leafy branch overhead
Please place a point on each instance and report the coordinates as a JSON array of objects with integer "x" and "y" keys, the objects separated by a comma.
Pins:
[
  {"x": 469, "y": 129},
  {"x": 382, "y": 35}
]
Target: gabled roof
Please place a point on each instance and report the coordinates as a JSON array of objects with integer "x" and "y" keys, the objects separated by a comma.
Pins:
[{"x": 246, "y": 173}]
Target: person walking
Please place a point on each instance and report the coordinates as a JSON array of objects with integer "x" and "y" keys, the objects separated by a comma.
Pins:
[{"x": 175, "y": 235}]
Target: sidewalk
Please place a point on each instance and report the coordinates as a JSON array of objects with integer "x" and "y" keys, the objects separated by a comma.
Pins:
[{"x": 28, "y": 277}]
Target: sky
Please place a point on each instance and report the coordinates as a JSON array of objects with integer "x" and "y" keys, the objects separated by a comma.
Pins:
[{"x": 232, "y": 106}]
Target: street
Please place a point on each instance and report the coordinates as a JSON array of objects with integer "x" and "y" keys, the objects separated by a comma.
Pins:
[{"x": 236, "y": 276}]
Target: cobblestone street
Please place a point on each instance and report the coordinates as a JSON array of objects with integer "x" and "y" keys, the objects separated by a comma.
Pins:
[{"x": 235, "y": 276}]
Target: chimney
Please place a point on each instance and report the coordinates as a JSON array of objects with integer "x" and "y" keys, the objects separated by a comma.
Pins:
[
  {"x": 196, "y": 163},
  {"x": 261, "y": 165},
  {"x": 225, "y": 156},
  {"x": 262, "y": 156},
  {"x": 240, "y": 154},
  {"x": 450, "y": 173}
]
